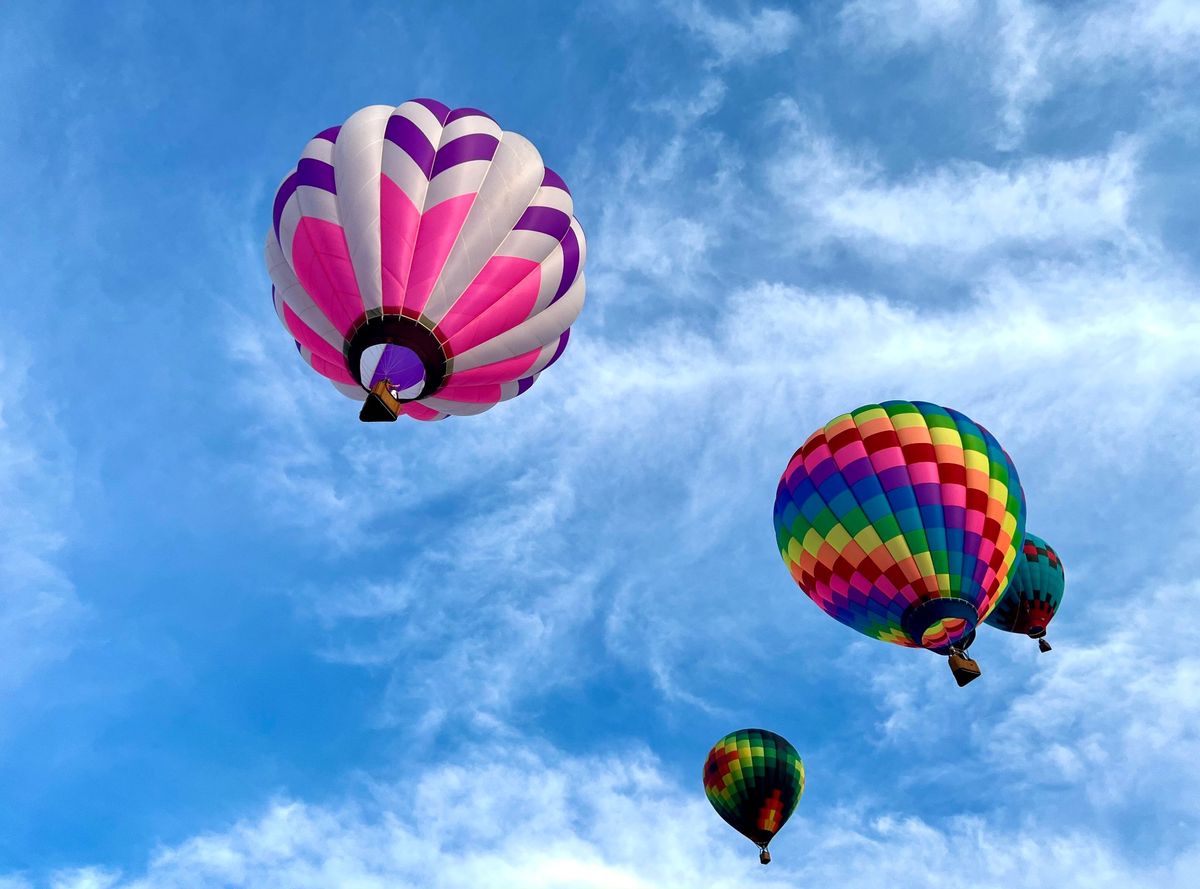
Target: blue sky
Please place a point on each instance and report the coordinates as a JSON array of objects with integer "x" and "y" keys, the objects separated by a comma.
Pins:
[{"x": 248, "y": 641}]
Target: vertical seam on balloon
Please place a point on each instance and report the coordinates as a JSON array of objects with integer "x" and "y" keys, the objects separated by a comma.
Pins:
[
  {"x": 941, "y": 510},
  {"x": 952, "y": 553},
  {"x": 977, "y": 431},
  {"x": 320, "y": 257},
  {"x": 854, "y": 497},
  {"x": 412, "y": 256},
  {"x": 913, "y": 488},
  {"x": 1012, "y": 490},
  {"x": 466, "y": 219},
  {"x": 909, "y": 583}
]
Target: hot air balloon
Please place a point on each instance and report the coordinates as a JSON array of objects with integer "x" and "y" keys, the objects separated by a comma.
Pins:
[
  {"x": 902, "y": 520},
  {"x": 1033, "y": 594},
  {"x": 425, "y": 260},
  {"x": 754, "y": 779}
]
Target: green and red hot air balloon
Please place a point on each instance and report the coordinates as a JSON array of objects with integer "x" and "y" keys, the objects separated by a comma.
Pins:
[
  {"x": 754, "y": 779},
  {"x": 1034, "y": 594}
]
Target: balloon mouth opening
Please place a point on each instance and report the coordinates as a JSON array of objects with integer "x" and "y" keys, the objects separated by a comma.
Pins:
[
  {"x": 399, "y": 350},
  {"x": 1036, "y": 632},
  {"x": 398, "y": 367},
  {"x": 938, "y": 624},
  {"x": 943, "y": 632}
]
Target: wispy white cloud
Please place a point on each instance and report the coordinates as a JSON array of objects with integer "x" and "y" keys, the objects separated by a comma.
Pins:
[
  {"x": 1032, "y": 50},
  {"x": 739, "y": 38},
  {"x": 39, "y": 609},
  {"x": 955, "y": 210},
  {"x": 608, "y": 822},
  {"x": 894, "y": 24}
]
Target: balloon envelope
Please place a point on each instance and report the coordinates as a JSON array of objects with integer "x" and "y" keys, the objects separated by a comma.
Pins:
[
  {"x": 754, "y": 779},
  {"x": 428, "y": 248},
  {"x": 902, "y": 520},
  {"x": 1035, "y": 592}
]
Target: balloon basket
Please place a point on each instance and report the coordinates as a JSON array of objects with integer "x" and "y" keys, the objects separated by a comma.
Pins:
[
  {"x": 1044, "y": 646},
  {"x": 764, "y": 857},
  {"x": 964, "y": 668},
  {"x": 381, "y": 406}
]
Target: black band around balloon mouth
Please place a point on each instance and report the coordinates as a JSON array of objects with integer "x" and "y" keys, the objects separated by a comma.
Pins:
[
  {"x": 398, "y": 330},
  {"x": 1036, "y": 632},
  {"x": 917, "y": 620}
]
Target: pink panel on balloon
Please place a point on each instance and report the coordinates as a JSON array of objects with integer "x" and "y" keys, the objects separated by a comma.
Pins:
[
  {"x": 498, "y": 372},
  {"x": 923, "y": 473},
  {"x": 509, "y": 311},
  {"x": 420, "y": 412},
  {"x": 887, "y": 458},
  {"x": 499, "y": 276},
  {"x": 321, "y": 260},
  {"x": 336, "y": 372},
  {"x": 954, "y": 495},
  {"x": 307, "y": 337},
  {"x": 471, "y": 394},
  {"x": 796, "y": 462},
  {"x": 399, "y": 221},
  {"x": 439, "y": 229}
]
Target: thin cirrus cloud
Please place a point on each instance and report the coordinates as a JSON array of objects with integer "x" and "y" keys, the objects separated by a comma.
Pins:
[
  {"x": 39, "y": 609},
  {"x": 758, "y": 33},
  {"x": 959, "y": 209},
  {"x": 1032, "y": 49}
]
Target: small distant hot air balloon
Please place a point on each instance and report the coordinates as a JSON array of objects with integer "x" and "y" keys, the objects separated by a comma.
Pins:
[
  {"x": 754, "y": 779},
  {"x": 425, "y": 260},
  {"x": 1034, "y": 594},
  {"x": 903, "y": 520}
]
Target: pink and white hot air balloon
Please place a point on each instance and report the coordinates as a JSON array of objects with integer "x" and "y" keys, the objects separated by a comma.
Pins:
[{"x": 425, "y": 260}]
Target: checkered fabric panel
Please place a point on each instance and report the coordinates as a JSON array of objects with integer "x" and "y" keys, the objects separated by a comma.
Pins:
[
  {"x": 1032, "y": 598},
  {"x": 754, "y": 779},
  {"x": 895, "y": 504}
]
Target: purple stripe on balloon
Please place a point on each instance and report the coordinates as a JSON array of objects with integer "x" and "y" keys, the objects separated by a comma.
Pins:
[
  {"x": 330, "y": 134},
  {"x": 436, "y": 108},
  {"x": 562, "y": 346},
  {"x": 472, "y": 147},
  {"x": 857, "y": 470},
  {"x": 956, "y": 518},
  {"x": 459, "y": 113},
  {"x": 822, "y": 471},
  {"x": 570, "y": 248},
  {"x": 524, "y": 383},
  {"x": 894, "y": 477},
  {"x": 545, "y": 219},
  {"x": 409, "y": 137},
  {"x": 315, "y": 174},
  {"x": 928, "y": 494},
  {"x": 299, "y": 348},
  {"x": 281, "y": 198},
  {"x": 553, "y": 180}
]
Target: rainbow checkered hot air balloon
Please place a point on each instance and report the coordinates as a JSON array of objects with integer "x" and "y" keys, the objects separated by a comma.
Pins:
[
  {"x": 754, "y": 779},
  {"x": 902, "y": 520},
  {"x": 1034, "y": 593},
  {"x": 425, "y": 260}
]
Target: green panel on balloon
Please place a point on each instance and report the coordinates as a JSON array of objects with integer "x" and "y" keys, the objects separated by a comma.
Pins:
[{"x": 754, "y": 779}]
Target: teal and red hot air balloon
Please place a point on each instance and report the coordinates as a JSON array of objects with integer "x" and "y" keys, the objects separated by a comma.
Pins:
[
  {"x": 903, "y": 520},
  {"x": 425, "y": 261},
  {"x": 1034, "y": 594},
  {"x": 754, "y": 779}
]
